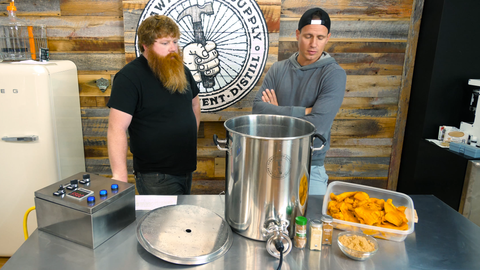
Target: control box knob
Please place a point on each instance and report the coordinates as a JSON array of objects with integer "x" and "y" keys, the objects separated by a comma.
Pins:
[
  {"x": 60, "y": 191},
  {"x": 86, "y": 179},
  {"x": 73, "y": 184}
]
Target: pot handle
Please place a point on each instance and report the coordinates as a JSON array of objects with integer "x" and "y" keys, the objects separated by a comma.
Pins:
[
  {"x": 324, "y": 141},
  {"x": 217, "y": 142}
]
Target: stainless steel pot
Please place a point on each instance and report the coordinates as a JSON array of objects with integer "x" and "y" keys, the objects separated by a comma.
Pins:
[{"x": 267, "y": 175}]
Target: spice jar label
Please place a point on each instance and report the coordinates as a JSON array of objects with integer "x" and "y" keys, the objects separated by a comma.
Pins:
[
  {"x": 327, "y": 234},
  {"x": 301, "y": 233},
  {"x": 315, "y": 238},
  {"x": 300, "y": 238}
]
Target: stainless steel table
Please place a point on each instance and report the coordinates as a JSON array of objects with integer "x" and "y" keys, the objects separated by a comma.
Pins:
[{"x": 443, "y": 239}]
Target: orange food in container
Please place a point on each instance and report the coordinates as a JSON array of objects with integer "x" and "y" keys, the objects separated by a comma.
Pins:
[{"x": 397, "y": 215}]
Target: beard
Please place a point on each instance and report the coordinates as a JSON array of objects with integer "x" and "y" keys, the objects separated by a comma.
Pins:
[{"x": 169, "y": 70}]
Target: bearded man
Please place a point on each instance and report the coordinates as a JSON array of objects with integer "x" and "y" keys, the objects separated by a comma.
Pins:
[{"x": 155, "y": 98}]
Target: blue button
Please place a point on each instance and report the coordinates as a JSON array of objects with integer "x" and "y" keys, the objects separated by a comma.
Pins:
[
  {"x": 103, "y": 192},
  {"x": 91, "y": 199},
  {"x": 114, "y": 186}
]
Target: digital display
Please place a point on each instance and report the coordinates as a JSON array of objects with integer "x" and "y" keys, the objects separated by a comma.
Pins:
[{"x": 80, "y": 193}]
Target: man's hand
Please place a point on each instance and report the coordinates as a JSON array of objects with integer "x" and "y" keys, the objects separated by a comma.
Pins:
[
  {"x": 269, "y": 96},
  {"x": 201, "y": 59}
]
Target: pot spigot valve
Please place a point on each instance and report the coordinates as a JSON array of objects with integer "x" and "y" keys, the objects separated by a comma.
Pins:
[{"x": 277, "y": 234}]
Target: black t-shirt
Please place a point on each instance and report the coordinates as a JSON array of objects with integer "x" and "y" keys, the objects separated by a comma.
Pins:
[{"x": 163, "y": 131}]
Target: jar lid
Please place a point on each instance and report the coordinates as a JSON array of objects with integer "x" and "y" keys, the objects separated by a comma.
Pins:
[
  {"x": 316, "y": 223},
  {"x": 301, "y": 220},
  {"x": 327, "y": 218}
]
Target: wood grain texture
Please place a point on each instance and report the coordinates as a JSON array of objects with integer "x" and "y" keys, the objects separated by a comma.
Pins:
[
  {"x": 205, "y": 168},
  {"x": 113, "y": 44},
  {"x": 395, "y": 30},
  {"x": 370, "y": 39},
  {"x": 337, "y": 167},
  {"x": 88, "y": 85},
  {"x": 97, "y": 147},
  {"x": 203, "y": 187},
  {"x": 393, "y": 9},
  {"x": 33, "y": 7},
  {"x": 405, "y": 93},
  {"x": 92, "y": 61},
  {"x": 379, "y": 182},
  {"x": 208, "y": 187},
  {"x": 342, "y": 127},
  {"x": 3, "y": 260},
  {"x": 286, "y": 47},
  {"x": 373, "y": 40},
  {"x": 357, "y": 167},
  {"x": 77, "y": 26},
  {"x": 91, "y": 7}
]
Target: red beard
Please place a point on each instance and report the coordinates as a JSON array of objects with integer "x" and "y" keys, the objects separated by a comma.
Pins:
[{"x": 169, "y": 70}]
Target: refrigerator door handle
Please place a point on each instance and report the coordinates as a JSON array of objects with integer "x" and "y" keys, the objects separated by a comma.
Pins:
[{"x": 32, "y": 138}]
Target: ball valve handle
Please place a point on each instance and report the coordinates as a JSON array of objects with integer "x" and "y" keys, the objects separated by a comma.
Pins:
[{"x": 278, "y": 234}]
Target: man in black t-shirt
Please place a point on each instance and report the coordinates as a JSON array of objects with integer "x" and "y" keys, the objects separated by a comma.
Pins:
[{"x": 156, "y": 98}]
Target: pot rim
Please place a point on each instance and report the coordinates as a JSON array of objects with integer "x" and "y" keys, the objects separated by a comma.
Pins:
[{"x": 270, "y": 138}]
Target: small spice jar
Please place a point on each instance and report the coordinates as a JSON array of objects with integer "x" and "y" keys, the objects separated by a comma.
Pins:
[
  {"x": 315, "y": 238},
  {"x": 300, "y": 238},
  {"x": 327, "y": 230}
]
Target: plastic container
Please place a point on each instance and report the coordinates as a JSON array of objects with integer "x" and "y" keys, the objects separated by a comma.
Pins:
[
  {"x": 469, "y": 150},
  {"x": 398, "y": 199}
]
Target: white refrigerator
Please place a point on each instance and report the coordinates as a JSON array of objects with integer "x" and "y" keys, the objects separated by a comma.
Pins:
[{"x": 41, "y": 140}]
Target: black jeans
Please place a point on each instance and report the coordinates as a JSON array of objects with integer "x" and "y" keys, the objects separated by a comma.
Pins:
[{"x": 163, "y": 184}]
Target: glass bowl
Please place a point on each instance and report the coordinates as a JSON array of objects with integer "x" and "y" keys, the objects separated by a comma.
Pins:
[{"x": 356, "y": 254}]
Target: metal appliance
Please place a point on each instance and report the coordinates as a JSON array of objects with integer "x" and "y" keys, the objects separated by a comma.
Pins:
[
  {"x": 471, "y": 116},
  {"x": 86, "y": 209},
  {"x": 41, "y": 139},
  {"x": 267, "y": 175},
  {"x": 470, "y": 201}
]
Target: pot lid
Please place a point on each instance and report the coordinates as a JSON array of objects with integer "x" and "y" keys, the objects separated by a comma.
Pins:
[{"x": 184, "y": 234}]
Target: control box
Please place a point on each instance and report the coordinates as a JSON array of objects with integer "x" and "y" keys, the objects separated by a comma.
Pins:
[{"x": 86, "y": 209}]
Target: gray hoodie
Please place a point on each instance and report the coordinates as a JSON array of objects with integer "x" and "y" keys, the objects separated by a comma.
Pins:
[{"x": 320, "y": 85}]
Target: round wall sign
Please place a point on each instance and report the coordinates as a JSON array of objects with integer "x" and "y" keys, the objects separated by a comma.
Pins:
[{"x": 233, "y": 32}]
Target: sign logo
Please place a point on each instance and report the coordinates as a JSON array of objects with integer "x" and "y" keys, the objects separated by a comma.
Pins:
[{"x": 224, "y": 42}]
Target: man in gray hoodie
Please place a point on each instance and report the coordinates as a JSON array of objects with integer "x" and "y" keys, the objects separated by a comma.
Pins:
[{"x": 309, "y": 85}]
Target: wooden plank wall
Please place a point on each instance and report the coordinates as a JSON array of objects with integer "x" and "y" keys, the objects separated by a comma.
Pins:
[
  {"x": 210, "y": 174},
  {"x": 370, "y": 39}
]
